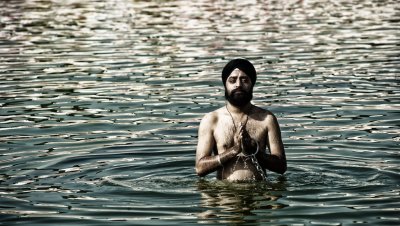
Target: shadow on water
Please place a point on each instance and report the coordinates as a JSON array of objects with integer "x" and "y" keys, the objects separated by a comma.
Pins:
[
  {"x": 100, "y": 103},
  {"x": 250, "y": 202}
]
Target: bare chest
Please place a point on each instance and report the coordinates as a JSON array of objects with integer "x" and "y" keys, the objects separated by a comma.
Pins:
[{"x": 225, "y": 131}]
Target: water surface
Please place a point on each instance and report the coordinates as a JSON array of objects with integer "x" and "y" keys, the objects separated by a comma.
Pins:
[{"x": 100, "y": 103}]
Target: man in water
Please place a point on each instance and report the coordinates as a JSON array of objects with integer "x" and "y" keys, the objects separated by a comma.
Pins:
[{"x": 232, "y": 139}]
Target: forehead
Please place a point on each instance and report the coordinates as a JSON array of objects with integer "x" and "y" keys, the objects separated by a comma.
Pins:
[{"x": 238, "y": 73}]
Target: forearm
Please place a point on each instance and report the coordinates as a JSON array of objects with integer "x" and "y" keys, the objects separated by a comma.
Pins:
[
  {"x": 209, "y": 164},
  {"x": 273, "y": 163}
]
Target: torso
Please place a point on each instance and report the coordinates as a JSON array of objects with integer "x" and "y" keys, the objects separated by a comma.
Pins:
[{"x": 240, "y": 168}]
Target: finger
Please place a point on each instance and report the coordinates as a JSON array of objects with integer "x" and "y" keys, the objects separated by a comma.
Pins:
[{"x": 241, "y": 134}]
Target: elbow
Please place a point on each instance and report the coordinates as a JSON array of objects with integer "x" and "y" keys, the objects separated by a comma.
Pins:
[
  {"x": 278, "y": 164},
  {"x": 200, "y": 171},
  {"x": 283, "y": 168}
]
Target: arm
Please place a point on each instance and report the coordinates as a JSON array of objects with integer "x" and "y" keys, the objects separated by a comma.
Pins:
[
  {"x": 205, "y": 162},
  {"x": 276, "y": 161}
]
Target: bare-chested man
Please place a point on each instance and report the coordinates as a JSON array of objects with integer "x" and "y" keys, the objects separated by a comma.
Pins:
[{"x": 233, "y": 139}]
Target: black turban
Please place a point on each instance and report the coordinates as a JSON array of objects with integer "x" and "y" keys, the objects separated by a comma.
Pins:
[{"x": 243, "y": 65}]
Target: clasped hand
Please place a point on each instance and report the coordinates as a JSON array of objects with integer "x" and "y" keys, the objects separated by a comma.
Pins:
[{"x": 243, "y": 142}]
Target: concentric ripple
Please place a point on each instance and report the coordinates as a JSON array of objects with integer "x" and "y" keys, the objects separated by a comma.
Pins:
[{"x": 100, "y": 103}]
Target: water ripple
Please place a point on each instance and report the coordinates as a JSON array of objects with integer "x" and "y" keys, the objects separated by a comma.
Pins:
[{"x": 100, "y": 104}]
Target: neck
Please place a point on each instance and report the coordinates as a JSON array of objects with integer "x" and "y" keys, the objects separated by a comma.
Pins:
[{"x": 238, "y": 110}]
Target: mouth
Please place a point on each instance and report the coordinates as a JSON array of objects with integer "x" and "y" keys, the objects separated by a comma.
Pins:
[{"x": 238, "y": 92}]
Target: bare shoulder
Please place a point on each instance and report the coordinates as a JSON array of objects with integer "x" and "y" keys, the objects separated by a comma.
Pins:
[
  {"x": 264, "y": 115},
  {"x": 210, "y": 119},
  {"x": 261, "y": 113}
]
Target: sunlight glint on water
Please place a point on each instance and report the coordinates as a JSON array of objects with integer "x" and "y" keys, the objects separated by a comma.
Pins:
[{"x": 100, "y": 103}]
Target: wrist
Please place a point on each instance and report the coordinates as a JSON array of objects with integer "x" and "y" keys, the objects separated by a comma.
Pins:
[
  {"x": 219, "y": 160},
  {"x": 236, "y": 150}
]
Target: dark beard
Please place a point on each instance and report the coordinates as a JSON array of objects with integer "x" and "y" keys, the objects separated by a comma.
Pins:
[{"x": 239, "y": 99}]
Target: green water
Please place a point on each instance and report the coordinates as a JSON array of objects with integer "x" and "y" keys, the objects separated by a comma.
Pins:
[{"x": 100, "y": 103}]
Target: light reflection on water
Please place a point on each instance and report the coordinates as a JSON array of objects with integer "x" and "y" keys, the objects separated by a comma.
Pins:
[{"x": 100, "y": 104}]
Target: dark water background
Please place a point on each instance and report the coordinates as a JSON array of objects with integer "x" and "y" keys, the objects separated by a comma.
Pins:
[{"x": 100, "y": 103}]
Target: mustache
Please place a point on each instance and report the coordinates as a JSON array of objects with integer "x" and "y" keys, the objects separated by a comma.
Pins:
[{"x": 238, "y": 90}]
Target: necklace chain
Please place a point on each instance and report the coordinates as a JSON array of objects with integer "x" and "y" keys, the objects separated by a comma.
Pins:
[
  {"x": 233, "y": 121},
  {"x": 252, "y": 157}
]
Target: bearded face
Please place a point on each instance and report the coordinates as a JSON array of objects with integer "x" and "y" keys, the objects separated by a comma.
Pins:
[
  {"x": 238, "y": 88},
  {"x": 239, "y": 97}
]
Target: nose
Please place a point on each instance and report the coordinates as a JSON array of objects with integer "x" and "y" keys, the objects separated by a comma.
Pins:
[{"x": 238, "y": 83}]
